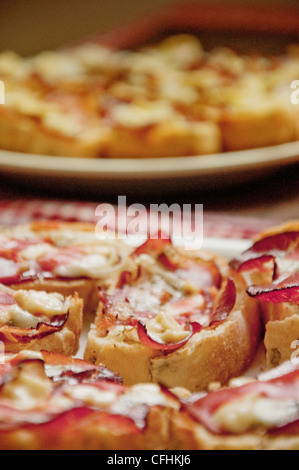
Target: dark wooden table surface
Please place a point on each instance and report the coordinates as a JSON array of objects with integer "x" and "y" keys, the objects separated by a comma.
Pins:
[{"x": 271, "y": 196}]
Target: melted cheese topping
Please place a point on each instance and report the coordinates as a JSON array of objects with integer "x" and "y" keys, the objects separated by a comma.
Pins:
[
  {"x": 30, "y": 388},
  {"x": 92, "y": 396},
  {"x": 253, "y": 411},
  {"x": 25, "y": 102},
  {"x": 93, "y": 265},
  {"x": 42, "y": 303},
  {"x": 165, "y": 329},
  {"x": 10, "y": 63},
  {"x": 288, "y": 265},
  {"x": 55, "y": 66},
  {"x": 162, "y": 293},
  {"x": 182, "y": 50},
  {"x": 143, "y": 115},
  {"x": 98, "y": 257},
  {"x": 145, "y": 296},
  {"x": 33, "y": 252},
  {"x": 169, "y": 278},
  {"x": 139, "y": 395},
  {"x": 66, "y": 237},
  {"x": 32, "y": 307},
  {"x": 150, "y": 81},
  {"x": 18, "y": 317},
  {"x": 121, "y": 333},
  {"x": 67, "y": 124}
]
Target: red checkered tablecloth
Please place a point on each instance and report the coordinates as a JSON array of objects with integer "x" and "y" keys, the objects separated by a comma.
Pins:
[{"x": 216, "y": 225}]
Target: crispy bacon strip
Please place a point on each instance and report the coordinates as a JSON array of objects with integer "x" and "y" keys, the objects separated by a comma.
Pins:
[
  {"x": 202, "y": 409},
  {"x": 11, "y": 334},
  {"x": 83, "y": 373},
  {"x": 266, "y": 250},
  {"x": 57, "y": 422},
  {"x": 200, "y": 274},
  {"x": 52, "y": 420},
  {"x": 220, "y": 312},
  {"x": 203, "y": 275},
  {"x": 15, "y": 270},
  {"x": 60, "y": 256},
  {"x": 153, "y": 245},
  {"x": 11, "y": 274},
  {"x": 70, "y": 419},
  {"x": 283, "y": 289},
  {"x": 72, "y": 369},
  {"x": 146, "y": 339},
  {"x": 225, "y": 303}
]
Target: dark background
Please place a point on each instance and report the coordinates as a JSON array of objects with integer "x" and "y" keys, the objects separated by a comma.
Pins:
[{"x": 30, "y": 26}]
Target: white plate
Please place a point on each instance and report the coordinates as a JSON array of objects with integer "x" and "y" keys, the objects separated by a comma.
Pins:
[
  {"x": 229, "y": 248},
  {"x": 205, "y": 171}
]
